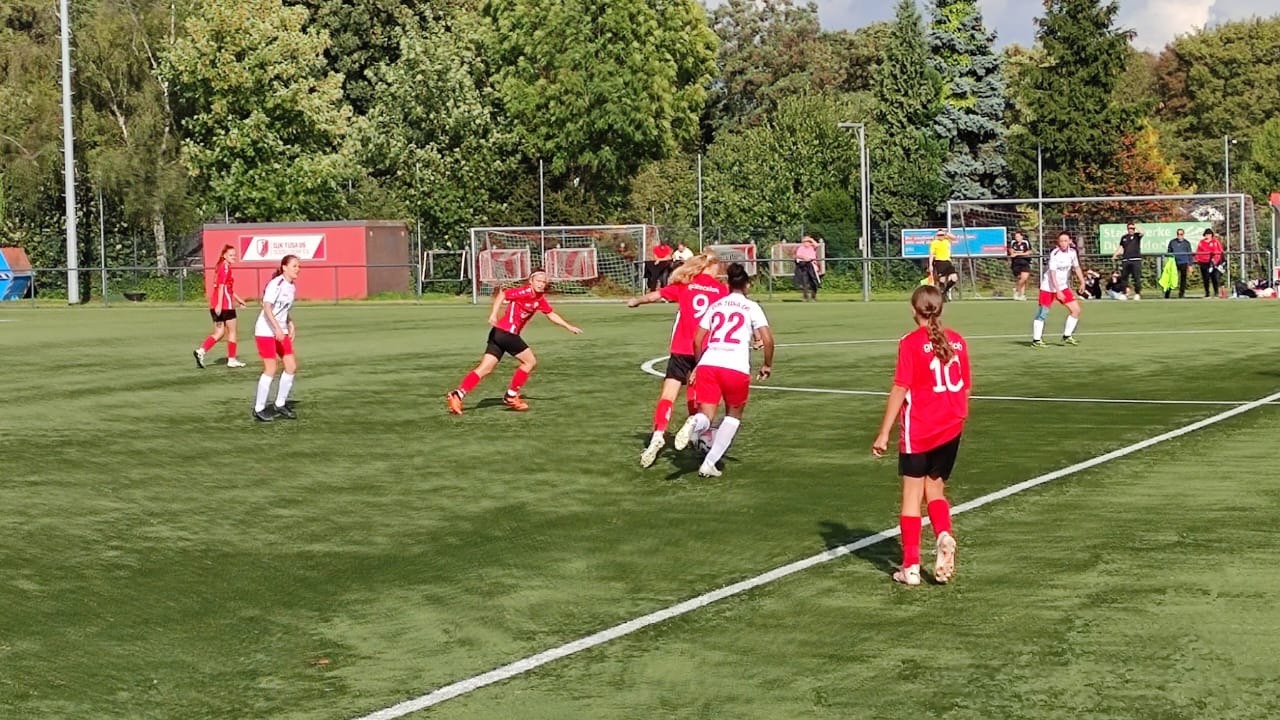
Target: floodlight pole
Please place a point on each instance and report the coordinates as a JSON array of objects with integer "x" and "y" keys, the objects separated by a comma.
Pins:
[
  {"x": 699, "y": 202},
  {"x": 69, "y": 161},
  {"x": 864, "y": 189}
]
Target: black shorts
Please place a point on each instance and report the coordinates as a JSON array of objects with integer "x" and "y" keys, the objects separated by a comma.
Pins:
[
  {"x": 679, "y": 367},
  {"x": 943, "y": 268},
  {"x": 221, "y": 317},
  {"x": 501, "y": 341},
  {"x": 935, "y": 463},
  {"x": 1019, "y": 266}
]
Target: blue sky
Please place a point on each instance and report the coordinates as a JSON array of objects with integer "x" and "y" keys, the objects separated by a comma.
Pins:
[{"x": 1155, "y": 21}]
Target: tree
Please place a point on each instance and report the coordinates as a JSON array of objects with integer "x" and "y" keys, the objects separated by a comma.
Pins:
[
  {"x": 600, "y": 87},
  {"x": 1260, "y": 172},
  {"x": 1069, "y": 99},
  {"x": 973, "y": 101},
  {"x": 263, "y": 119},
  {"x": 906, "y": 180}
]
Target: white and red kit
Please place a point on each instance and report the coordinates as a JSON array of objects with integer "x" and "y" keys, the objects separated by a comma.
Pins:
[
  {"x": 937, "y": 395},
  {"x": 1057, "y": 277},
  {"x": 223, "y": 288},
  {"x": 278, "y": 297},
  {"x": 724, "y": 370},
  {"x": 522, "y": 304},
  {"x": 693, "y": 299}
]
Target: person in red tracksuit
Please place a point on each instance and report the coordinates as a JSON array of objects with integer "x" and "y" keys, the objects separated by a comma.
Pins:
[
  {"x": 930, "y": 397},
  {"x": 1209, "y": 258}
]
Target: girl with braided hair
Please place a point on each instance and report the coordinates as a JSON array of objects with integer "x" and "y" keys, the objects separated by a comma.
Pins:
[{"x": 930, "y": 397}]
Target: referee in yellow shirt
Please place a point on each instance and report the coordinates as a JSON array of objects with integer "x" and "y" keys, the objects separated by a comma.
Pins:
[{"x": 940, "y": 267}]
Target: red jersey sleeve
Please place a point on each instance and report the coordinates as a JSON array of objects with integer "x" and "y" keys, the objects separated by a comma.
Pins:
[
  {"x": 515, "y": 293},
  {"x": 673, "y": 293},
  {"x": 544, "y": 306},
  {"x": 905, "y": 371}
]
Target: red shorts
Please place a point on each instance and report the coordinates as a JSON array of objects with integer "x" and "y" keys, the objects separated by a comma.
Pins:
[
  {"x": 270, "y": 348},
  {"x": 1047, "y": 298},
  {"x": 713, "y": 384}
]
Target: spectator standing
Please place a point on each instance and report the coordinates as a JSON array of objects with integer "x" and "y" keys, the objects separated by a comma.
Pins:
[
  {"x": 1180, "y": 249},
  {"x": 659, "y": 268},
  {"x": 1209, "y": 258},
  {"x": 806, "y": 273},
  {"x": 1020, "y": 263},
  {"x": 1131, "y": 248}
]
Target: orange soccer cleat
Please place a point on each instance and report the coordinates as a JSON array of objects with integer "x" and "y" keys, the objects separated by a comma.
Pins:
[
  {"x": 455, "y": 403},
  {"x": 515, "y": 402}
]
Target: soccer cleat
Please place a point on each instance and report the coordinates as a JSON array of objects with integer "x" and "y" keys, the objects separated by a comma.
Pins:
[
  {"x": 199, "y": 356},
  {"x": 656, "y": 443},
  {"x": 263, "y": 415},
  {"x": 909, "y": 575},
  {"x": 455, "y": 402},
  {"x": 944, "y": 562},
  {"x": 708, "y": 470},
  {"x": 234, "y": 363},
  {"x": 1069, "y": 340},
  {"x": 1037, "y": 344},
  {"x": 685, "y": 433},
  {"x": 515, "y": 402},
  {"x": 286, "y": 412}
]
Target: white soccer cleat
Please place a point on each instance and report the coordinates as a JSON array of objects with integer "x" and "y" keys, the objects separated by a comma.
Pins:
[
  {"x": 944, "y": 563},
  {"x": 708, "y": 470},
  {"x": 234, "y": 363},
  {"x": 909, "y": 575},
  {"x": 685, "y": 433},
  {"x": 650, "y": 454}
]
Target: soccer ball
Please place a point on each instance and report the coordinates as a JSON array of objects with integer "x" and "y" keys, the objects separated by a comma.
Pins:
[{"x": 704, "y": 441}]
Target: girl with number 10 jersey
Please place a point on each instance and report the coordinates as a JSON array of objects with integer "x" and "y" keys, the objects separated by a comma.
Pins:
[
  {"x": 694, "y": 288},
  {"x": 930, "y": 397}
]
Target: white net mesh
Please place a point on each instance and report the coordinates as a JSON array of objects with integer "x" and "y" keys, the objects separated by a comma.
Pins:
[
  {"x": 603, "y": 261},
  {"x": 1097, "y": 226},
  {"x": 504, "y": 265},
  {"x": 741, "y": 253}
]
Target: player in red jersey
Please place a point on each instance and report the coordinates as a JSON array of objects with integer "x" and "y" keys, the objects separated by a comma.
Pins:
[
  {"x": 694, "y": 288},
  {"x": 930, "y": 395},
  {"x": 222, "y": 308},
  {"x": 504, "y": 337}
]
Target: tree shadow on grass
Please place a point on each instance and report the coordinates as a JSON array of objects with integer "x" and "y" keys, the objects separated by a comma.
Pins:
[{"x": 883, "y": 555}]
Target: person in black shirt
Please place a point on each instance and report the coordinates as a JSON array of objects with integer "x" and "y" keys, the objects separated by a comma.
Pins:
[
  {"x": 1180, "y": 249},
  {"x": 1020, "y": 263},
  {"x": 1131, "y": 248},
  {"x": 1092, "y": 285}
]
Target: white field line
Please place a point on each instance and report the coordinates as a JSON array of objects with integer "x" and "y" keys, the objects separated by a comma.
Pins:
[
  {"x": 524, "y": 665},
  {"x": 650, "y": 368},
  {"x": 1026, "y": 336}
]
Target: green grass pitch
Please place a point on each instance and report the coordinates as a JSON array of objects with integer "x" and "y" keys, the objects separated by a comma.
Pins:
[{"x": 161, "y": 556}]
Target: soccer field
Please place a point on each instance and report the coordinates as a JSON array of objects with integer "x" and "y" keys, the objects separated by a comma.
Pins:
[{"x": 163, "y": 556}]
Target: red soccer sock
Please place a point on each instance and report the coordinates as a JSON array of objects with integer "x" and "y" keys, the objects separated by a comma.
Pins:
[
  {"x": 910, "y": 539},
  {"x": 662, "y": 415},
  {"x": 517, "y": 381},
  {"x": 940, "y": 516},
  {"x": 208, "y": 343},
  {"x": 690, "y": 401},
  {"x": 231, "y": 349},
  {"x": 469, "y": 383}
]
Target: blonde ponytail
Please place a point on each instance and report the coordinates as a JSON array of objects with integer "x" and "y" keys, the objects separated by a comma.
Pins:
[{"x": 693, "y": 267}]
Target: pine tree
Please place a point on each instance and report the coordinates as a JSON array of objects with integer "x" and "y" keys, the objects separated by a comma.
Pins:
[
  {"x": 973, "y": 100},
  {"x": 906, "y": 182}
]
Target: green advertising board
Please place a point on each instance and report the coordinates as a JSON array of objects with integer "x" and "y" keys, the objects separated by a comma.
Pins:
[{"x": 1155, "y": 236}]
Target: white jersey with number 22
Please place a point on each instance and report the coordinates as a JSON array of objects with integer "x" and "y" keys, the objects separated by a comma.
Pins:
[{"x": 731, "y": 323}]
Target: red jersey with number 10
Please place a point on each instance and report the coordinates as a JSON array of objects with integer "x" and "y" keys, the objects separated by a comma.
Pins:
[
  {"x": 522, "y": 304},
  {"x": 937, "y": 394},
  {"x": 694, "y": 298}
]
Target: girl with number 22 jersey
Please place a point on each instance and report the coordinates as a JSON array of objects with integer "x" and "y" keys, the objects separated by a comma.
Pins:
[{"x": 930, "y": 398}]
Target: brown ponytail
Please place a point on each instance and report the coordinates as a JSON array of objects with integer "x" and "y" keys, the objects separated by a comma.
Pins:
[
  {"x": 283, "y": 261},
  {"x": 926, "y": 301}
]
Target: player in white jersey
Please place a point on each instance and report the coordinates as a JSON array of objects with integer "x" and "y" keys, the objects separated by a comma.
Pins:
[
  {"x": 274, "y": 334},
  {"x": 1055, "y": 285},
  {"x": 723, "y": 345}
]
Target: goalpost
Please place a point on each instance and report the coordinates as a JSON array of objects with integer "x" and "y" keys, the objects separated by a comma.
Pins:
[
  {"x": 584, "y": 261},
  {"x": 1097, "y": 224}
]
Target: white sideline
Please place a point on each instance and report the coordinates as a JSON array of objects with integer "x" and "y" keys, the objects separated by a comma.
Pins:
[{"x": 519, "y": 667}]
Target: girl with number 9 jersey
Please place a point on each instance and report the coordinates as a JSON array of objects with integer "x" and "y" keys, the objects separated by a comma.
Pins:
[
  {"x": 930, "y": 397},
  {"x": 694, "y": 289}
]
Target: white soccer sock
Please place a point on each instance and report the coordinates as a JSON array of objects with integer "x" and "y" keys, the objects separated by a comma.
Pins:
[
  {"x": 657, "y": 434},
  {"x": 1037, "y": 329},
  {"x": 700, "y": 423},
  {"x": 286, "y": 384},
  {"x": 264, "y": 389},
  {"x": 1072, "y": 321},
  {"x": 724, "y": 437}
]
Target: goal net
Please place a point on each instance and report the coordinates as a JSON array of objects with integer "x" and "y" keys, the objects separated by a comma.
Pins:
[
  {"x": 782, "y": 259},
  {"x": 584, "y": 261},
  {"x": 1096, "y": 225},
  {"x": 744, "y": 253}
]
